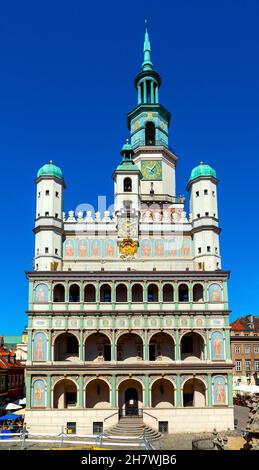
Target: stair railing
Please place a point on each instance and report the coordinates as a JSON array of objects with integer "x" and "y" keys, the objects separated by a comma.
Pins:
[
  {"x": 151, "y": 416},
  {"x": 110, "y": 416}
]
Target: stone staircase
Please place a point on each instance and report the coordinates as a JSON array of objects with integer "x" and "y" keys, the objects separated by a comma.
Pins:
[{"x": 130, "y": 430}]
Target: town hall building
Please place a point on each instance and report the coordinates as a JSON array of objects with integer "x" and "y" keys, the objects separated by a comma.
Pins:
[{"x": 128, "y": 309}]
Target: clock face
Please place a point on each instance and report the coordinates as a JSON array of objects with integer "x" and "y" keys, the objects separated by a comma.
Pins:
[{"x": 151, "y": 169}]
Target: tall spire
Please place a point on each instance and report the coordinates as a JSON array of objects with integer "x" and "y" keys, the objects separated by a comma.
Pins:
[{"x": 147, "y": 64}]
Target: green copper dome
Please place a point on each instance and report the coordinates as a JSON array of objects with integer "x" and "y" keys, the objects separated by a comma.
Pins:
[
  {"x": 49, "y": 169},
  {"x": 202, "y": 170}
]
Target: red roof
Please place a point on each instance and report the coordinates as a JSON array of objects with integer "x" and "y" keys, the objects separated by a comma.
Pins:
[{"x": 247, "y": 323}]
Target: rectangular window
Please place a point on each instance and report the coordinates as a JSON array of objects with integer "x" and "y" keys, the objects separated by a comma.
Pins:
[
  {"x": 238, "y": 366},
  {"x": 197, "y": 193},
  {"x": 246, "y": 349},
  {"x": 97, "y": 427},
  {"x": 208, "y": 249},
  {"x": 46, "y": 250},
  {"x": 256, "y": 349},
  {"x": 237, "y": 349},
  {"x": 199, "y": 250},
  {"x": 248, "y": 364},
  {"x": 206, "y": 214},
  {"x": 47, "y": 192},
  {"x": 39, "y": 194},
  {"x": 198, "y": 216},
  {"x": 56, "y": 215},
  {"x": 213, "y": 193},
  {"x": 71, "y": 427},
  {"x": 205, "y": 192},
  {"x": 188, "y": 399},
  {"x": 56, "y": 251},
  {"x": 163, "y": 427},
  {"x": 46, "y": 214},
  {"x": 57, "y": 194},
  {"x": 257, "y": 365}
]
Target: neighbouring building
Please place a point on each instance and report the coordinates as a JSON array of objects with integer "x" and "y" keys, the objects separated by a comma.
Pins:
[
  {"x": 245, "y": 350},
  {"x": 11, "y": 376},
  {"x": 128, "y": 309},
  {"x": 16, "y": 344}
]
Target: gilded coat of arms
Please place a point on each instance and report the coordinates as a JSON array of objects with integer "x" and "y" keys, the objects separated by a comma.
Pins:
[{"x": 128, "y": 248}]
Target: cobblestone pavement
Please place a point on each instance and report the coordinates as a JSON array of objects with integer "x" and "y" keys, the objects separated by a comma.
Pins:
[{"x": 184, "y": 441}]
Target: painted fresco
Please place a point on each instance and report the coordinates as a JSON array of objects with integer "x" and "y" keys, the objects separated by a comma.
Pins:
[
  {"x": 215, "y": 293},
  {"x": 145, "y": 248},
  {"x": 110, "y": 248},
  {"x": 39, "y": 393},
  {"x": 41, "y": 293},
  {"x": 217, "y": 345},
  {"x": 40, "y": 347},
  {"x": 219, "y": 390},
  {"x": 69, "y": 248},
  {"x": 96, "y": 248},
  {"x": 83, "y": 248}
]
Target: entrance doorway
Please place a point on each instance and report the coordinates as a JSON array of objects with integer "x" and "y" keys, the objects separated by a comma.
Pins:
[{"x": 131, "y": 402}]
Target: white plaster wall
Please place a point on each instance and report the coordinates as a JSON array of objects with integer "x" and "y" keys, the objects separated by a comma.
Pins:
[
  {"x": 204, "y": 203},
  {"x": 167, "y": 184},
  {"x": 51, "y": 203}
]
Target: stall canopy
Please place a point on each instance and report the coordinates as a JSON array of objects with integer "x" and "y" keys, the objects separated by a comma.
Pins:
[{"x": 10, "y": 416}]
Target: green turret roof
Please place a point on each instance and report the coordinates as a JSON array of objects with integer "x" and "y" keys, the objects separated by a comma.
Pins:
[
  {"x": 49, "y": 169},
  {"x": 202, "y": 170},
  {"x": 127, "y": 163}
]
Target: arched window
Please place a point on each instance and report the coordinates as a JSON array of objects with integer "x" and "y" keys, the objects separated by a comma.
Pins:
[
  {"x": 150, "y": 134},
  {"x": 137, "y": 293},
  {"x": 74, "y": 293},
  {"x": 105, "y": 293},
  {"x": 127, "y": 185},
  {"x": 198, "y": 293},
  {"x": 59, "y": 293},
  {"x": 183, "y": 293},
  {"x": 152, "y": 293},
  {"x": 89, "y": 293}
]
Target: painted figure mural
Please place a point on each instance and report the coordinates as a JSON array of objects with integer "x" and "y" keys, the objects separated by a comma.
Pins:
[
  {"x": 219, "y": 391},
  {"x": 40, "y": 347},
  {"x": 39, "y": 393},
  {"x": 69, "y": 248},
  {"x": 217, "y": 345},
  {"x": 145, "y": 248},
  {"x": 41, "y": 293},
  {"x": 215, "y": 293},
  {"x": 82, "y": 247},
  {"x": 110, "y": 248}
]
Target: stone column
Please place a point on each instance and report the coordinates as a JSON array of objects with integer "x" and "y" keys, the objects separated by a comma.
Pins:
[
  {"x": 114, "y": 391},
  {"x": 81, "y": 345},
  {"x": 50, "y": 358},
  {"x": 227, "y": 344},
  {"x": 208, "y": 345},
  {"x": 49, "y": 391},
  {"x": 147, "y": 393},
  {"x": 145, "y": 352},
  {"x": 209, "y": 390},
  {"x": 139, "y": 94},
  {"x": 178, "y": 391},
  {"x": 28, "y": 391},
  {"x": 81, "y": 391},
  {"x": 113, "y": 346},
  {"x": 177, "y": 346},
  {"x": 29, "y": 346}
]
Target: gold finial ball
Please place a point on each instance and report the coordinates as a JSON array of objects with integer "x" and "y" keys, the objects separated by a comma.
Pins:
[
  {"x": 51, "y": 162},
  {"x": 127, "y": 141},
  {"x": 201, "y": 163}
]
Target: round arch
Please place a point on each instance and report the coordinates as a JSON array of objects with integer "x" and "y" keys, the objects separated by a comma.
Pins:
[
  {"x": 129, "y": 347},
  {"x": 97, "y": 393},
  {"x": 65, "y": 394},
  {"x": 66, "y": 347},
  {"x": 162, "y": 393}
]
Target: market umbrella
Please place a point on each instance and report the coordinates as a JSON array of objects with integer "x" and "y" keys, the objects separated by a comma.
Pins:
[
  {"x": 10, "y": 416},
  {"x": 12, "y": 406}
]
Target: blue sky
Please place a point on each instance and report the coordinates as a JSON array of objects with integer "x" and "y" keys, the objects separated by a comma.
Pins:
[{"x": 66, "y": 84}]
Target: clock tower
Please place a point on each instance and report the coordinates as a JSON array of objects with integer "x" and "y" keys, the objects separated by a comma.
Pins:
[{"x": 148, "y": 124}]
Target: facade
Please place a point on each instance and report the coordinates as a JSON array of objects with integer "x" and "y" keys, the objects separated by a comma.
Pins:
[
  {"x": 245, "y": 350},
  {"x": 11, "y": 376},
  {"x": 128, "y": 310}
]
